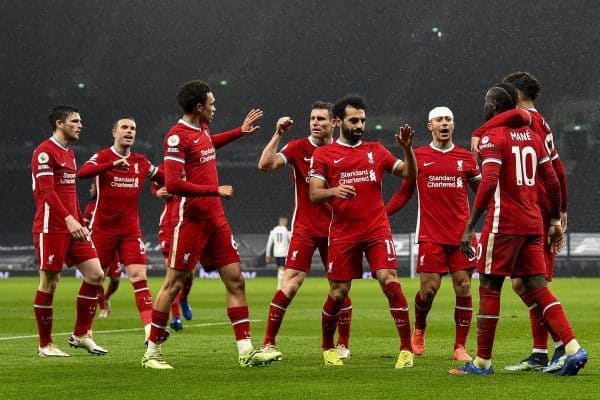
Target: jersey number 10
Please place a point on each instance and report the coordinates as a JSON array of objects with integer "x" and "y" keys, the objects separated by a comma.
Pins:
[{"x": 525, "y": 165}]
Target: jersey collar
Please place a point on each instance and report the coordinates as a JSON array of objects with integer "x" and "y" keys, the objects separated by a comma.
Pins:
[
  {"x": 434, "y": 147},
  {"x": 338, "y": 141},
  {"x": 56, "y": 142},
  {"x": 311, "y": 140},
  {"x": 112, "y": 148},
  {"x": 189, "y": 125}
]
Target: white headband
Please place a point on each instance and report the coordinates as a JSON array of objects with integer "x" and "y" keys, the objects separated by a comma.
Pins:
[{"x": 440, "y": 112}]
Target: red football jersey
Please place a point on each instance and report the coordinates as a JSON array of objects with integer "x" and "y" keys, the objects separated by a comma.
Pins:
[
  {"x": 192, "y": 148},
  {"x": 541, "y": 127},
  {"x": 514, "y": 208},
  {"x": 118, "y": 191},
  {"x": 361, "y": 166},
  {"x": 53, "y": 172},
  {"x": 88, "y": 213},
  {"x": 443, "y": 195},
  {"x": 309, "y": 218},
  {"x": 165, "y": 221}
]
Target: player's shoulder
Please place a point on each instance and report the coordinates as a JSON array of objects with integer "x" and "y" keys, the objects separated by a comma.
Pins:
[
  {"x": 462, "y": 152},
  {"x": 48, "y": 149},
  {"x": 325, "y": 149},
  {"x": 106, "y": 152},
  {"x": 295, "y": 144},
  {"x": 496, "y": 133},
  {"x": 44, "y": 146},
  {"x": 179, "y": 133},
  {"x": 539, "y": 123},
  {"x": 422, "y": 150}
]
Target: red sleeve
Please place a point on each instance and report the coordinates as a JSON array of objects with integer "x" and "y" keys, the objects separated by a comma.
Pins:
[
  {"x": 159, "y": 176},
  {"x": 46, "y": 185},
  {"x": 553, "y": 189},
  {"x": 176, "y": 185},
  {"x": 487, "y": 185},
  {"x": 559, "y": 169},
  {"x": 401, "y": 197},
  {"x": 221, "y": 139},
  {"x": 515, "y": 117},
  {"x": 90, "y": 169}
]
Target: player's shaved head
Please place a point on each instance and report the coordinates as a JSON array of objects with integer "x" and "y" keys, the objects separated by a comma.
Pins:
[
  {"x": 510, "y": 89},
  {"x": 497, "y": 100}
]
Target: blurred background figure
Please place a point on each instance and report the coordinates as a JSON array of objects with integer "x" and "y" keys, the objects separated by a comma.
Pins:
[{"x": 277, "y": 247}]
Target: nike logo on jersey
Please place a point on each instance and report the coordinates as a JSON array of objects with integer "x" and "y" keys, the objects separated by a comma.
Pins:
[
  {"x": 63, "y": 164},
  {"x": 338, "y": 160},
  {"x": 196, "y": 141},
  {"x": 391, "y": 258},
  {"x": 428, "y": 163}
]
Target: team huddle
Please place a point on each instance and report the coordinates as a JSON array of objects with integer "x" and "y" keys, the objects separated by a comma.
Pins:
[{"x": 339, "y": 210}]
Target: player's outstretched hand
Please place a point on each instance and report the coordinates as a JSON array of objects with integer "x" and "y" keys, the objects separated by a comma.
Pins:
[
  {"x": 226, "y": 191},
  {"x": 346, "y": 192},
  {"x": 465, "y": 243},
  {"x": 405, "y": 135},
  {"x": 248, "y": 127},
  {"x": 283, "y": 125}
]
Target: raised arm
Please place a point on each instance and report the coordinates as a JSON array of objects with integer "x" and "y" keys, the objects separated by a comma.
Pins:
[
  {"x": 406, "y": 169},
  {"x": 269, "y": 159}
]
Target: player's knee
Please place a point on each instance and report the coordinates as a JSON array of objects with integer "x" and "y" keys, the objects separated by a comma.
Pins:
[
  {"x": 94, "y": 279},
  {"x": 338, "y": 294},
  {"x": 291, "y": 286},
  {"x": 235, "y": 283},
  {"x": 463, "y": 288},
  {"x": 428, "y": 293}
]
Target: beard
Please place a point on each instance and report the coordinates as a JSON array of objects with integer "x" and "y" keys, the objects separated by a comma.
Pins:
[{"x": 352, "y": 135}]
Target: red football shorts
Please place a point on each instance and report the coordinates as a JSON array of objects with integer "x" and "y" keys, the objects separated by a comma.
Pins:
[
  {"x": 126, "y": 248},
  {"x": 443, "y": 258},
  {"x": 344, "y": 262},
  {"x": 52, "y": 250},
  {"x": 511, "y": 255},
  {"x": 210, "y": 242},
  {"x": 114, "y": 269},
  {"x": 301, "y": 250},
  {"x": 164, "y": 238}
]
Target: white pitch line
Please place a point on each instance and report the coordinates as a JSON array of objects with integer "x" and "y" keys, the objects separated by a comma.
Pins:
[{"x": 120, "y": 330}]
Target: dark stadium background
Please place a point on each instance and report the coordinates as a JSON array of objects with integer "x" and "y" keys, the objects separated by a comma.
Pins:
[{"x": 129, "y": 57}]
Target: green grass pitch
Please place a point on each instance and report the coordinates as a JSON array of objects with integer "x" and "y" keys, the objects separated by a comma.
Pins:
[{"x": 205, "y": 357}]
